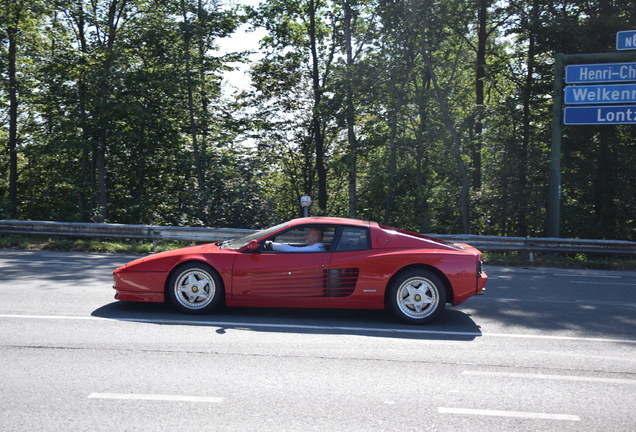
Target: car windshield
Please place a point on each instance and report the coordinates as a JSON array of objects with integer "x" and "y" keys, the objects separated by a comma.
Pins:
[{"x": 237, "y": 244}]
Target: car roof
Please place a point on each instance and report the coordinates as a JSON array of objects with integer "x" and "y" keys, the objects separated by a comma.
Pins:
[{"x": 330, "y": 220}]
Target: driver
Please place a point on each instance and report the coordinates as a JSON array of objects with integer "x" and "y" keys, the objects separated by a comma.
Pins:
[{"x": 313, "y": 239}]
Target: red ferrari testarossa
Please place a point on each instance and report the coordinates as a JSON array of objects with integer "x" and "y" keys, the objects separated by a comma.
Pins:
[{"x": 316, "y": 262}]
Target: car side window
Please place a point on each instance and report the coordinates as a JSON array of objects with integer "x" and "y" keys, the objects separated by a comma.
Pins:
[
  {"x": 353, "y": 239},
  {"x": 297, "y": 238}
]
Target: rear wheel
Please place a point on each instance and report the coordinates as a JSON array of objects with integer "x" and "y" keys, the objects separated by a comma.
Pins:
[
  {"x": 195, "y": 288},
  {"x": 418, "y": 296}
]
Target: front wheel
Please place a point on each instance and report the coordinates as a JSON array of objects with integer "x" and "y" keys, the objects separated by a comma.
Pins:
[
  {"x": 195, "y": 288},
  {"x": 417, "y": 296}
]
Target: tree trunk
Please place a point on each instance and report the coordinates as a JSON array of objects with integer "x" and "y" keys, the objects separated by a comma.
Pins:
[
  {"x": 350, "y": 112},
  {"x": 421, "y": 164},
  {"x": 480, "y": 75},
  {"x": 105, "y": 89},
  {"x": 522, "y": 190},
  {"x": 190, "y": 88},
  {"x": 316, "y": 116},
  {"x": 203, "y": 94},
  {"x": 390, "y": 196},
  {"x": 448, "y": 122},
  {"x": 12, "y": 32},
  {"x": 84, "y": 181}
]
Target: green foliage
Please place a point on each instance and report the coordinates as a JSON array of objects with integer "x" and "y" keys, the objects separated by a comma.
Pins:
[{"x": 122, "y": 114}]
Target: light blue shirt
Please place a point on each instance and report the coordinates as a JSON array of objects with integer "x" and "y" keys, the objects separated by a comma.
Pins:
[{"x": 316, "y": 247}]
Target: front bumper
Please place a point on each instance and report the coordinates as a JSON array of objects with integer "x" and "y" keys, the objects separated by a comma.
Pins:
[{"x": 139, "y": 286}]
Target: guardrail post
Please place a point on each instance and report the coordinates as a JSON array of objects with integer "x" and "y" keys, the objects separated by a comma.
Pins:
[{"x": 154, "y": 233}]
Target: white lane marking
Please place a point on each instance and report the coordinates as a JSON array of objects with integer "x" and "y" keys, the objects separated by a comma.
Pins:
[
  {"x": 570, "y": 302},
  {"x": 74, "y": 262},
  {"x": 586, "y": 356},
  {"x": 604, "y": 303},
  {"x": 602, "y": 283},
  {"x": 550, "y": 377},
  {"x": 563, "y": 338},
  {"x": 51, "y": 262},
  {"x": 156, "y": 397},
  {"x": 515, "y": 414},
  {"x": 586, "y": 275},
  {"x": 54, "y": 317},
  {"x": 248, "y": 326}
]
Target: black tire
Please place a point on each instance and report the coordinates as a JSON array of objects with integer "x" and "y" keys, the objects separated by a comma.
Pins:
[
  {"x": 417, "y": 296},
  {"x": 195, "y": 288}
]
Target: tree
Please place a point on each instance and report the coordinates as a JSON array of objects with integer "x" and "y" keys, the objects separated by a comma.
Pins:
[
  {"x": 18, "y": 21},
  {"x": 13, "y": 24},
  {"x": 382, "y": 109},
  {"x": 348, "y": 24},
  {"x": 450, "y": 126}
]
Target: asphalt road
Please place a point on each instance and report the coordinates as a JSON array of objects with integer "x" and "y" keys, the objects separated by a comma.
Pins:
[{"x": 543, "y": 350}]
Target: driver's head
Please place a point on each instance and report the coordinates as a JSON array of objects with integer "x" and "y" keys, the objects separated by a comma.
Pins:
[{"x": 313, "y": 235}]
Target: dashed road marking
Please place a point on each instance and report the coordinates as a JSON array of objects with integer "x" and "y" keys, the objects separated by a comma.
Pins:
[
  {"x": 515, "y": 414},
  {"x": 156, "y": 397},
  {"x": 550, "y": 377}
]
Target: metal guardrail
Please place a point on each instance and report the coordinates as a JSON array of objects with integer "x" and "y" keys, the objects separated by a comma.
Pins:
[
  {"x": 145, "y": 232},
  {"x": 544, "y": 244},
  {"x": 156, "y": 233}
]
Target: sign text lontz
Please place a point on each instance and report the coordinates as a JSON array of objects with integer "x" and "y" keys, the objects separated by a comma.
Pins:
[{"x": 600, "y": 115}]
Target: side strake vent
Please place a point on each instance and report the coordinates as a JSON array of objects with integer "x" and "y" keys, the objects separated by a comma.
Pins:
[{"x": 340, "y": 282}]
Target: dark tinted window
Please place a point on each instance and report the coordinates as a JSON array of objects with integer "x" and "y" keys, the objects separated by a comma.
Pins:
[{"x": 353, "y": 238}]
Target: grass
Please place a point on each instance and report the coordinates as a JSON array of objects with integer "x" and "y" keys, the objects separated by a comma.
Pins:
[
  {"x": 124, "y": 246},
  {"x": 72, "y": 244}
]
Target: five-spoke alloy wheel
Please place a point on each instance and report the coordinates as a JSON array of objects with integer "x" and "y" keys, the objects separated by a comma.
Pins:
[
  {"x": 417, "y": 296},
  {"x": 195, "y": 288}
]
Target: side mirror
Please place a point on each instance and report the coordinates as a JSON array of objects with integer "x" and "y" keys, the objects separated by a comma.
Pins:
[{"x": 253, "y": 245}]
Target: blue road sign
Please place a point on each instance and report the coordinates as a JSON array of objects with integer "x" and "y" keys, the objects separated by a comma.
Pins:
[
  {"x": 626, "y": 40},
  {"x": 600, "y": 72},
  {"x": 600, "y": 115},
  {"x": 600, "y": 94}
]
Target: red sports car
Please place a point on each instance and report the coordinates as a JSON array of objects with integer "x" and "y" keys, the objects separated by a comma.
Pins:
[{"x": 317, "y": 262}]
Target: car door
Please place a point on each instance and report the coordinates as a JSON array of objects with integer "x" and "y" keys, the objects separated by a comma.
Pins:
[
  {"x": 271, "y": 278},
  {"x": 353, "y": 277}
]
